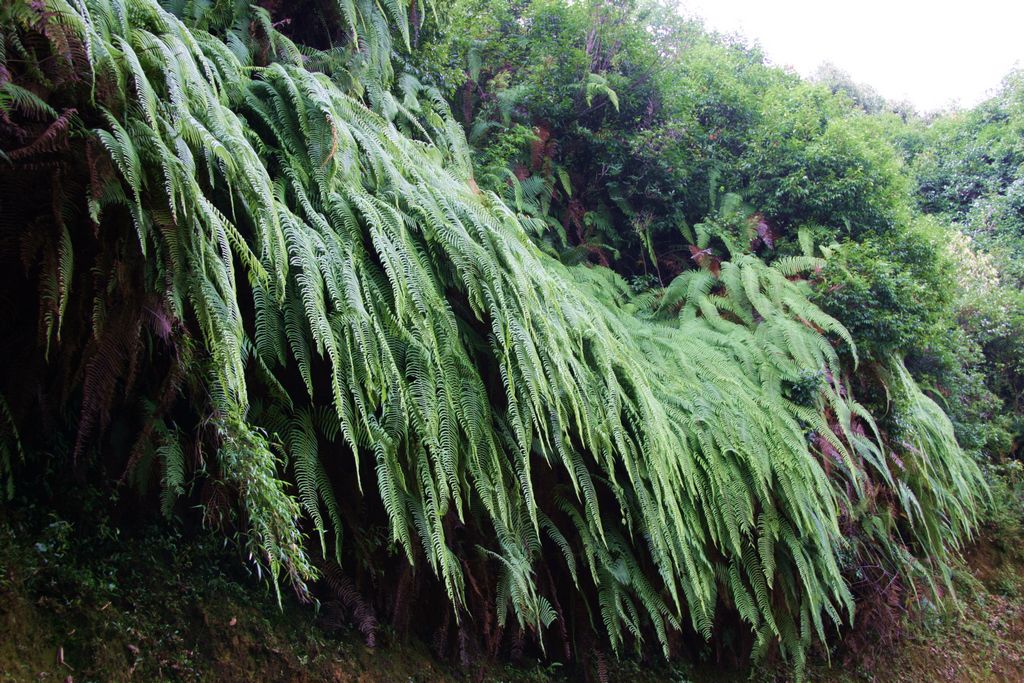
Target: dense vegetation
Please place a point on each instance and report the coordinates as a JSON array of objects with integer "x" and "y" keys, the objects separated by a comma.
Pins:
[{"x": 570, "y": 320}]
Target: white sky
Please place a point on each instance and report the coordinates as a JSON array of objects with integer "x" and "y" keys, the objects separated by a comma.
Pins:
[{"x": 930, "y": 52}]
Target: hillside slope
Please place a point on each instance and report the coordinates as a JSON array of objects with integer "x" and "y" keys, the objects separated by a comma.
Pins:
[{"x": 154, "y": 608}]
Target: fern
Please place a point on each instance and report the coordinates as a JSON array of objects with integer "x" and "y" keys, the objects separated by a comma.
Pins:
[
  {"x": 174, "y": 468},
  {"x": 344, "y": 281},
  {"x": 10, "y": 448}
]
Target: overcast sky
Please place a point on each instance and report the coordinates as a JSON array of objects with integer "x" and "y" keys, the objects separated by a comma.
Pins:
[{"x": 931, "y": 52}]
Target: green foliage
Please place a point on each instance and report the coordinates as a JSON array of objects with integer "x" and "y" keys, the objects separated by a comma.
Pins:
[
  {"x": 693, "y": 111},
  {"x": 10, "y": 448},
  {"x": 967, "y": 166},
  {"x": 1003, "y": 515},
  {"x": 894, "y": 297},
  {"x": 815, "y": 163},
  {"x": 354, "y": 318}
]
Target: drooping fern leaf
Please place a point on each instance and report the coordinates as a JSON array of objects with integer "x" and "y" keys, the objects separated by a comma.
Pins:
[{"x": 330, "y": 256}]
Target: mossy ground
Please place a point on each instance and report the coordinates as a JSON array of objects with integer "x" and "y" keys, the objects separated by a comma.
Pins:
[
  {"x": 153, "y": 607},
  {"x": 982, "y": 641},
  {"x": 979, "y": 636},
  {"x": 92, "y": 604}
]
